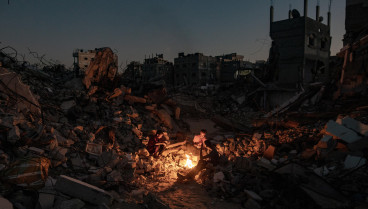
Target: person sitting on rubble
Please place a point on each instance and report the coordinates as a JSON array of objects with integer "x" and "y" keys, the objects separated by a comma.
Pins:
[
  {"x": 156, "y": 144},
  {"x": 210, "y": 160},
  {"x": 199, "y": 140}
]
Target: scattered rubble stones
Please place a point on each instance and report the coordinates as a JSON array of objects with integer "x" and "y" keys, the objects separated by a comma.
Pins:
[{"x": 81, "y": 144}]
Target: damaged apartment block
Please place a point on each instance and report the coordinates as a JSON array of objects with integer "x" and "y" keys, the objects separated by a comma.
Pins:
[{"x": 299, "y": 55}]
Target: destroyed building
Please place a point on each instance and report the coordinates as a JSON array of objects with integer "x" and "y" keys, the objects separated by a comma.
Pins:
[
  {"x": 157, "y": 68},
  {"x": 299, "y": 54},
  {"x": 194, "y": 69},
  {"x": 229, "y": 67},
  {"x": 301, "y": 46},
  {"x": 353, "y": 72},
  {"x": 133, "y": 71}
]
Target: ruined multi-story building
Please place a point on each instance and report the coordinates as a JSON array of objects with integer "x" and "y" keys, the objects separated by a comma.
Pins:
[
  {"x": 300, "y": 48},
  {"x": 157, "y": 68},
  {"x": 299, "y": 55},
  {"x": 82, "y": 58},
  {"x": 354, "y": 71},
  {"x": 356, "y": 20},
  {"x": 133, "y": 71},
  {"x": 194, "y": 69},
  {"x": 229, "y": 66}
]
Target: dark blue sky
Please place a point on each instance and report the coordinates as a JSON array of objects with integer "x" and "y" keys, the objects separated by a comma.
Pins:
[{"x": 136, "y": 28}]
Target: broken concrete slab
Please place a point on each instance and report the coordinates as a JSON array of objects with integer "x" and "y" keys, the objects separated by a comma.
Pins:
[
  {"x": 354, "y": 162},
  {"x": 317, "y": 188},
  {"x": 66, "y": 105},
  {"x": 102, "y": 69},
  {"x": 117, "y": 92},
  {"x": 82, "y": 190},
  {"x": 341, "y": 132},
  {"x": 165, "y": 118},
  {"x": 12, "y": 84},
  {"x": 46, "y": 199},
  {"x": 355, "y": 125},
  {"x": 253, "y": 195},
  {"x": 94, "y": 149},
  {"x": 133, "y": 99}
]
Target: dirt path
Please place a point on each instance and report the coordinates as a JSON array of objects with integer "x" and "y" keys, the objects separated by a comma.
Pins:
[{"x": 192, "y": 195}]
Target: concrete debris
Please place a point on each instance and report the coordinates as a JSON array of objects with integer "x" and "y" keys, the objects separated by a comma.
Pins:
[
  {"x": 354, "y": 162},
  {"x": 93, "y": 134},
  {"x": 82, "y": 190},
  {"x": 355, "y": 125},
  {"x": 102, "y": 70},
  {"x": 341, "y": 132},
  {"x": 12, "y": 85}
]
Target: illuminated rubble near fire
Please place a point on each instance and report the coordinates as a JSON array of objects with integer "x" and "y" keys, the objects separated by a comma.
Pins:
[{"x": 202, "y": 132}]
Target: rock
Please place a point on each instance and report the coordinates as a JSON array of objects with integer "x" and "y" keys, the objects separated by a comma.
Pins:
[
  {"x": 82, "y": 190},
  {"x": 165, "y": 118},
  {"x": 5, "y": 204},
  {"x": 66, "y": 105},
  {"x": 14, "y": 84},
  {"x": 354, "y": 162},
  {"x": 133, "y": 99},
  {"x": 36, "y": 150},
  {"x": 269, "y": 153},
  {"x": 71, "y": 204},
  {"x": 114, "y": 176},
  {"x": 46, "y": 200},
  {"x": 341, "y": 132},
  {"x": 321, "y": 171},
  {"x": 177, "y": 113},
  {"x": 218, "y": 177},
  {"x": 117, "y": 92},
  {"x": 94, "y": 149},
  {"x": 253, "y": 195}
]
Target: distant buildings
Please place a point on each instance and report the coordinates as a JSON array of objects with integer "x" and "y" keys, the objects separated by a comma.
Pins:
[
  {"x": 156, "y": 68},
  {"x": 230, "y": 67},
  {"x": 194, "y": 69},
  {"x": 82, "y": 58}
]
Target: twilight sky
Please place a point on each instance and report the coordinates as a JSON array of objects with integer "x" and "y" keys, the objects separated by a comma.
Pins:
[{"x": 135, "y": 28}]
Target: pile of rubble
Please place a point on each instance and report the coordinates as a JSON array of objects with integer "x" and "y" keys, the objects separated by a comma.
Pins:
[
  {"x": 54, "y": 124},
  {"x": 70, "y": 142}
]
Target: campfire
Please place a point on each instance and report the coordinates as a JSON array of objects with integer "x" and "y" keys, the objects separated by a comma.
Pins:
[{"x": 189, "y": 163}]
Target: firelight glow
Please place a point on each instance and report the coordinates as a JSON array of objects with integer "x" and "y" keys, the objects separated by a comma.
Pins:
[{"x": 189, "y": 163}]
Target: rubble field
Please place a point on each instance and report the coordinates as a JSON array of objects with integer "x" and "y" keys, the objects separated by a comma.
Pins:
[{"x": 80, "y": 142}]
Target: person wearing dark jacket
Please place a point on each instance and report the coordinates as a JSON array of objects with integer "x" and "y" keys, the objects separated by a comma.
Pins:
[
  {"x": 156, "y": 144},
  {"x": 211, "y": 158}
]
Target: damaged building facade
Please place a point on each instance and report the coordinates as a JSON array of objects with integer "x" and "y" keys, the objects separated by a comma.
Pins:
[
  {"x": 353, "y": 72},
  {"x": 230, "y": 67},
  {"x": 157, "y": 68},
  {"x": 299, "y": 54},
  {"x": 194, "y": 69}
]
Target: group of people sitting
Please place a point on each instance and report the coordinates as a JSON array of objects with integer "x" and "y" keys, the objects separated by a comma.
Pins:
[{"x": 200, "y": 146}]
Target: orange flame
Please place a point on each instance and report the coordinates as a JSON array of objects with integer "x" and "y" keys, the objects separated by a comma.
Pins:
[{"x": 189, "y": 163}]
